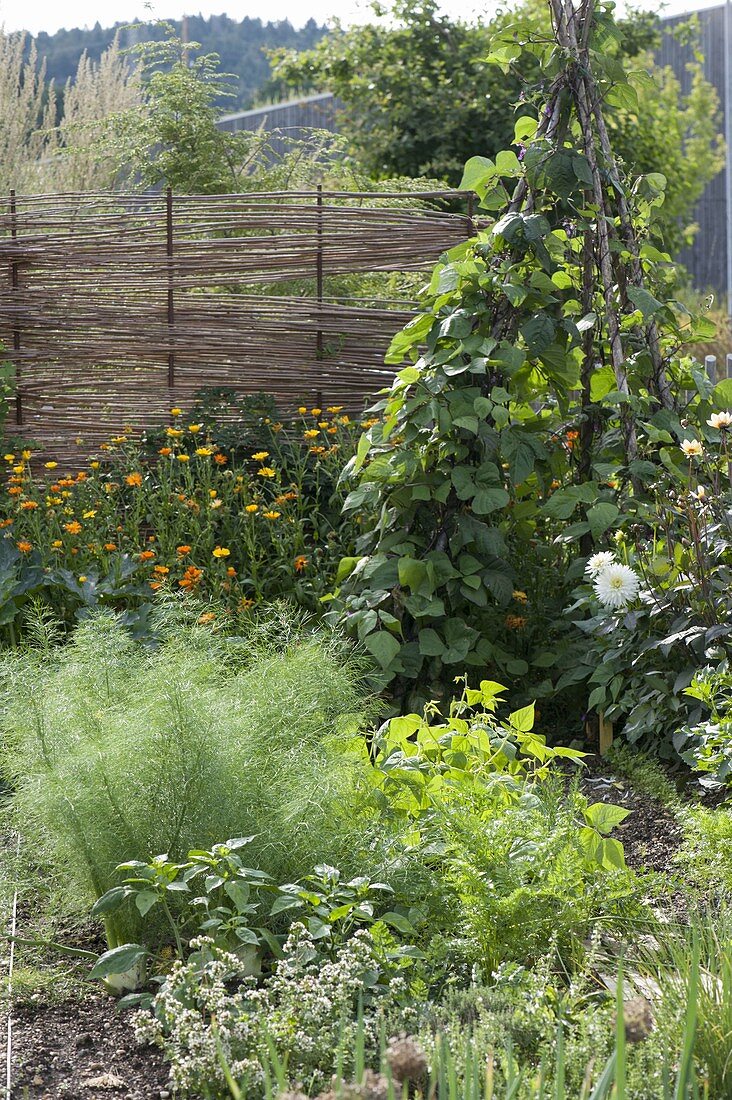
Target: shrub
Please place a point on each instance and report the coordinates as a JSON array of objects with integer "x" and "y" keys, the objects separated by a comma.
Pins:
[{"x": 115, "y": 752}]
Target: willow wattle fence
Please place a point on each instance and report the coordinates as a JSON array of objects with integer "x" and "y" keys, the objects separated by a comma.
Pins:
[{"x": 116, "y": 306}]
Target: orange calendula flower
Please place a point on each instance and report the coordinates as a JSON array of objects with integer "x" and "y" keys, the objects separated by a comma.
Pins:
[
  {"x": 73, "y": 527},
  {"x": 230, "y": 571},
  {"x": 183, "y": 550},
  {"x": 134, "y": 479},
  {"x": 155, "y": 585},
  {"x": 28, "y": 505},
  {"x": 251, "y": 508},
  {"x": 300, "y": 563},
  {"x": 312, "y": 433},
  {"x": 147, "y": 555},
  {"x": 14, "y": 490},
  {"x": 165, "y": 451},
  {"x": 515, "y": 622},
  {"x": 110, "y": 546},
  {"x": 161, "y": 569},
  {"x": 24, "y": 546},
  {"x": 206, "y": 617},
  {"x": 317, "y": 450},
  {"x": 191, "y": 577},
  {"x": 6, "y": 523},
  {"x": 272, "y": 515},
  {"x": 221, "y": 552},
  {"x": 220, "y": 460},
  {"x": 333, "y": 430}
]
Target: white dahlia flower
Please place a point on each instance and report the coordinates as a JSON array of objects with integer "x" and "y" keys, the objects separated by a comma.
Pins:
[
  {"x": 617, "y": 585},
  {"x": 720, "y": 420},
  {"x": 598, "y": 562}
]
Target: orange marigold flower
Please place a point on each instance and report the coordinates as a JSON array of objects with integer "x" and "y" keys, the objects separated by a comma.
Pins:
[
  {"x": 206, "y": 617},
  {"x": 28, "y": 505},
  {"x": 230, "y": 571},
  {"x": 333, "y": 430},
  {"x": 134, "y": 479},
  {"x": 191, "y": 577},
  {"x": 81, "y": 476},
  {"x": 317, "y": 450},
  {"x": 162, "y": 569},
  {"x": 183, "y": 550},
  {"x": 220, "y": 459},
  {"x": 272, "y": 515},
  {"x": 165, "y": 451},
  {"x": 24, "y": 546},
  {"x": 300, "y": 563},
  {"x": 146, "y": 555},
  {"x": 6, "y": 523},
  {"x": 73, "y": 527},
  {"x": 110, "y": 546},
  {"x": 221, "y": 552},
  {"x": 155, "y": 585}
]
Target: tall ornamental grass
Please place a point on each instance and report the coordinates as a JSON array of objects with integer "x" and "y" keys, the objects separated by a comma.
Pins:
[{"x": 115, "y": 752}]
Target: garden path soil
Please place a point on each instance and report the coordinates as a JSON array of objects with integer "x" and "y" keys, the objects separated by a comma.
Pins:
[{"x": 82, "y": 1050}]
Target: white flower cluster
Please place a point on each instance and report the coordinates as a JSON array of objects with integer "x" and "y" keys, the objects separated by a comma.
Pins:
[
  {"x": 616, "y": 585},
  {"x": 307, "y": 1009}
]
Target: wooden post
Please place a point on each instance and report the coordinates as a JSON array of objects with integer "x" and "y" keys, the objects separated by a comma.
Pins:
[
  {"x": 606, "y": 734},
  {"x": 710, "y": 364},
  {"x": 14, "y": 285},
  {"x": 171, "y": 306},
  {"x": 471, "y": 213},
  {"x": 729, "y": 365},
  {"x": 319, "y": 272}
]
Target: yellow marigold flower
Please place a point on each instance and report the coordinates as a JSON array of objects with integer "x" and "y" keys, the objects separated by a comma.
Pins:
[
  {"x": 323, "y": 423},
  {"x": 18, "y": 469},
  {"x": 95, "y": 465},
  {"x": 51, "y": 501},
  {"x": 194, "y": 428},
  {"x": 176, "y": 412},
  {"x": 173, "y": 433},
  {"x": 50, "y": 465},
  {"x": 300, "y": 563},
  {"x": 520, "y": 596},
  {"x": 266, "y": 471},
  {"x": 57, "y": 544},
  {"x": 206, "y": 617},
  {"x": 312, "y": 433},
  {"x": 272, "y": 515},
  {"x": 221, "y": 552},
  {"x": 73, "y": 527},
  {"x": 259, "y": 456},
  {"x": 251, "y": 508},
  {"x": 110, "y": 546},
  {"x": 82, "y": 578},
  {"x": 246, "y": 604},
  {"x": 29, "y": 505},
  {"x": 317, "y": 450},
  {"x": 9, "y": 458},
  {"x": 134, "y": 479},
  {"x": 334, "y": 408},
  {"x": 183, "y": 458},
  {"x": 204, "y": 452},
  {"x": 344, "y": 419},
  {"x": 24, "y": 546},
  {"x": 302, "y": 410},
  {"x": 26, "y": 454},
  {"x": 316, "y": 412},
  {"x": 213, "y": 492},
  {"x": 119, "y": 439},
  {"x": 90, "y": 514}
]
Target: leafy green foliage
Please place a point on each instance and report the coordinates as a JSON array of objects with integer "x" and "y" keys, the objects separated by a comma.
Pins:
[{"x": 117, "y": 753}]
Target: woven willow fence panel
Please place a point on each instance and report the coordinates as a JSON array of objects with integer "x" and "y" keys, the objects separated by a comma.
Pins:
[{"x": 113, "y": 307}]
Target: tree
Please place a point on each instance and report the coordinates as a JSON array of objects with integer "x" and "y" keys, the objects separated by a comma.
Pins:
[{"x": 419, "y": 98}]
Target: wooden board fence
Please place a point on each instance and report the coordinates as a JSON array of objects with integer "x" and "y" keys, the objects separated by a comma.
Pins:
[{"x": 115, "y": 306}]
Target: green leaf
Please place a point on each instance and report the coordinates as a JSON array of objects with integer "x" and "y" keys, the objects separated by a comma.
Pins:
[
  {"x": 383, "y": 645},
  {"x": 110, "y": 901},
  {"x": 411, "y": 335},
  {"x": 144, "y": 900},
  {"x": 396, "y": 920},
  {"x": 523, "y": 719},
  {"x": 414, "y": 574},
  {"x": 600, "y": 517},
  {"x": 118, "y": 961},
  {"x": 477, "y": 174},
  {"x": 489, "y": 500},
  {"x": 524, "y": 128},
  {"x": 364, "y": 446},
  {"x": 644, "y": 300},
  {"x": 430, "y": 643},
  {"x": 604, "y": 817}
]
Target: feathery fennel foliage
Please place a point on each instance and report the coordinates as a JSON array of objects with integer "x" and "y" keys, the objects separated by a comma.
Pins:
[{"x": 116, "y": 752}]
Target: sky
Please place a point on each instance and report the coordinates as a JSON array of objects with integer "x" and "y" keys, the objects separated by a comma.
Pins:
[{"x": 50, "y": 15}]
